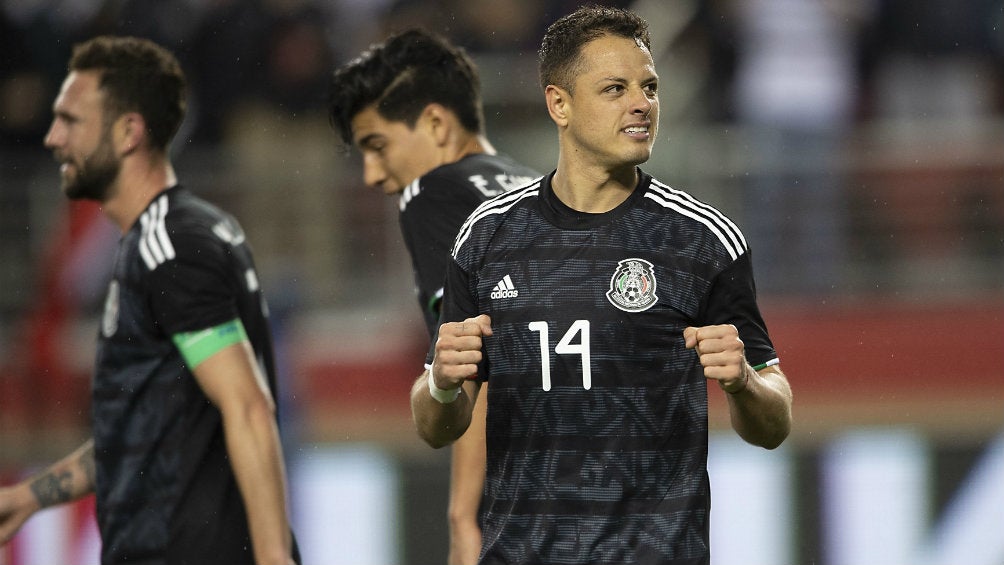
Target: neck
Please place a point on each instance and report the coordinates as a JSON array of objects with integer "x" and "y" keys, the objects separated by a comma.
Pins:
[
  {"x": 138, "y": 183},
  {"x": 468, "y": 145},
  {"x": 595, "y": 189}
]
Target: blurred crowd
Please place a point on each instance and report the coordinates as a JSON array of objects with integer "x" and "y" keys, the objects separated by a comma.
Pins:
[
  {"x": 867, "y": 57},
  {"x": 234, "y": 51}
]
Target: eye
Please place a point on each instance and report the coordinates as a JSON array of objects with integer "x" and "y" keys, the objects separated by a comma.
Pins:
[
  {"x": 651, "y": 88},
  {"x": 614, "y": 88},
  {"x": 373, "y": 148}
]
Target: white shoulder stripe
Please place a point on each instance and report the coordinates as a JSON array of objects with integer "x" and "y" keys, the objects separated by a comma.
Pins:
[
  {"x": 713, "y": 212},
  {"x": 726, "y": 231},
  {"x": 154, "y": 243},
  {"x": 160, "y": 229},
  {"x": 144, "y": 250},
  {"x": 716, "y": 229},
  {"x": 497, "y": 205},
  {"x": 408, "y": 193}
]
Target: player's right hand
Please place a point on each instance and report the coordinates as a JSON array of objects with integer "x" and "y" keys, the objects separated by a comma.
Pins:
[{"x": 458, "y": 351}]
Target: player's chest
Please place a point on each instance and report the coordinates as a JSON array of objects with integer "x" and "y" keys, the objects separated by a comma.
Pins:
[
  {"x": 588, "y": 273},
  {"x": 126, "y": 316}
]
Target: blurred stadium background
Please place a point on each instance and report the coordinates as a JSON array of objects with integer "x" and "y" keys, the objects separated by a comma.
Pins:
[{"x": 859, "y": 143}]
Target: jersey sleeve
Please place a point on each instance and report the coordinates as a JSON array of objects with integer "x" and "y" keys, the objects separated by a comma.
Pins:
[
  {"x": 732, "y": 300},
  {"x": 191, "y": 292},
  {"x": 429, "y": 226},
  {"x": 458, "y": 304}
]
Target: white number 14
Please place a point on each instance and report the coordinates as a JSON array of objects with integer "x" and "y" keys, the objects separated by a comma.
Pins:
[{"x": 564, "y": 347}]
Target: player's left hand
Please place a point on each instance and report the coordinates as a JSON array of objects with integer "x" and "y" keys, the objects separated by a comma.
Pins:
[
  {"x": 720, "y": 351},
  {"x": 16, "y": 506}
]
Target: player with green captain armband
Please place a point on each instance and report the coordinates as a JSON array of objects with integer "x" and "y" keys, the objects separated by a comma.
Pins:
[{"x": 196, "y": 347}]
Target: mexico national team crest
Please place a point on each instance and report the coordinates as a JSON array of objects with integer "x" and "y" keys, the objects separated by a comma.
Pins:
[{"x": 632, "y": 288}]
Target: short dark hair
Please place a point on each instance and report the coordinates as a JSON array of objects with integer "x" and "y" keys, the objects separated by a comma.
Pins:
[
  {"x": 137, "y": 75},
  {"x": 402, "y": 75},
  {"x": 561, "y": 48}
]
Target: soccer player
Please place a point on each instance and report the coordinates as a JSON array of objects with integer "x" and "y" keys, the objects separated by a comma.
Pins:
[
  {"x": 630, "y": 296},
  {"x": 412, "y": 106},
  {"x": 185, "y": 458}
]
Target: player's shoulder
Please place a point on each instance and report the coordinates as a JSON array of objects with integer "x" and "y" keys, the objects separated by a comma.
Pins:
[
  {"x": 486, "y": 218},
  {"x": 497, "y": 173},
  {"x": 190, "y": 211},
  {"x": 179, "y": 223},
  {"x": 683, "y": 207},
  {"x": 483, "y": 174},
  {"x": 180, "y": 207}
]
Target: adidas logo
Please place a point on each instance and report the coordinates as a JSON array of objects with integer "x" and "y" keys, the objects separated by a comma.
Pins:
[{"x": 504, "y": 289}]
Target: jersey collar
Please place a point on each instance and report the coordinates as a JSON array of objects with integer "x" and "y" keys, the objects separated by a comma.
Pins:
[{"x": 559, "y": 214}]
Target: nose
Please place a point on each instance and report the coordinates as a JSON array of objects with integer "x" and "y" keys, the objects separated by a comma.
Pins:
[
  {"x": 373, "y": 171},
  {"x": 54, "y": 137},
  {"x": 642, "y": 103}
]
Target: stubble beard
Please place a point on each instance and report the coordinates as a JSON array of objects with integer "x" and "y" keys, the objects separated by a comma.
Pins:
[{"x": 95, "y": 175}]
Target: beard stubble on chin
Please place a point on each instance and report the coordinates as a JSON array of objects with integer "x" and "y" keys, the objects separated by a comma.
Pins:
[{"x": 95, "y": 174}]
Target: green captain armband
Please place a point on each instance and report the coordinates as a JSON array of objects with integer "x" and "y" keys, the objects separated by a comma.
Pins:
[{"x": 196, "y": 347}]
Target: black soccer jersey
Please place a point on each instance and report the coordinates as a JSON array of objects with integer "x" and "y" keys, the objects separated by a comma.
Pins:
[
  {"x": 165, "y": 489},
  {"x": 434, "y": 206},
  {"x": 597, "y": 413}
]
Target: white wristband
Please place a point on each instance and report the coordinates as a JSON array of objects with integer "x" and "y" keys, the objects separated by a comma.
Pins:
[{"x": 442, "y": 396}]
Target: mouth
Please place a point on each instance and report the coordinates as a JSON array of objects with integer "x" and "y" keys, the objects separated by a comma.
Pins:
[
  {"x": 389, "y": 188},
  {"x": 638, "y": 131}
]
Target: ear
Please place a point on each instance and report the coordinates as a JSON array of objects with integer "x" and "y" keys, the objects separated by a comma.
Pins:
[
  {"x": 128, "y": 132},
  {"x": 436, "y": 120},
  {"x": 557, "y": 100}
]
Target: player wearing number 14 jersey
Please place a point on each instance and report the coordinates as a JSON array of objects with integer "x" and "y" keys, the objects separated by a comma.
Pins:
[
  {"x": 597, "y": 303},
  {"x": 597, "y": 418}
]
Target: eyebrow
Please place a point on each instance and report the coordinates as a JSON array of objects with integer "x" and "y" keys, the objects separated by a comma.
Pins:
[
  {"x": 609, "y": 79},
  {"x": 621, "y": 80},
  {"x": 63, "y": 115},
  {"x": 369, "y": 139}
]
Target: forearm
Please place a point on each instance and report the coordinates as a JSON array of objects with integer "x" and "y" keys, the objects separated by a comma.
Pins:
[
  {"x": 467, "y": 476},
  {"x": 68, "y": 479},
  {"x": 256, "y": 456},
  {"x": 761, "y": 411},
  {"x": 467, "y": 480},
  {"x": 437, "y": 423}
]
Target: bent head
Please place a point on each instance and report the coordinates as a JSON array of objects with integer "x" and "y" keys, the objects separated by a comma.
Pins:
[{"x": 388, "y": 101}]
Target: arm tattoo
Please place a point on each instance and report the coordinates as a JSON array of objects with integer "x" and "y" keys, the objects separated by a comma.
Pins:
[
  {"x": 53, "y": 488},
  {"x": 56, "y": 486}
]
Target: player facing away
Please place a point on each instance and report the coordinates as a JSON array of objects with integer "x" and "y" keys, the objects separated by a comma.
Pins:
[
  {"x": 631, "y": 296},
  {"x": 185, "y": 459},
  {"x": 412, "y": 107}
]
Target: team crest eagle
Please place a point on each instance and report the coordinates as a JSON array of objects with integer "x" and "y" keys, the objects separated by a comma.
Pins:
[{"x": 632, "y": 288}]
